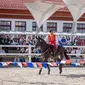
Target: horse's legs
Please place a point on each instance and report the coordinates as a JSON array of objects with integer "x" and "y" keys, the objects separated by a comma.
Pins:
[
  {"x": 46, "y": 60},
  {"x": 60, "y": 65},
  {"x": 47, "y": 66},
  {"x": 40, "y": 71},
  {"x": 60, "y": 68},
  {"x": 48, "y": 69}
]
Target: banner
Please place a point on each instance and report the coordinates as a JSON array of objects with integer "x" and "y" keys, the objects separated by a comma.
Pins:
[{"x": 42, "y": 64}]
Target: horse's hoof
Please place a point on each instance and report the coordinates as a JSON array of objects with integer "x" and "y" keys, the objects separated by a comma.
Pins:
[
  {"x": 39, "y": 73},
  {"x": 60, "y": 72},
  {"x": 48, "y": 73}
]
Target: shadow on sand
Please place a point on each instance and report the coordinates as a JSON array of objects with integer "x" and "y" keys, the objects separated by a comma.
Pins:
[
  {"x": 74, "y": 75},
  {"x": 42, "y": 83}
]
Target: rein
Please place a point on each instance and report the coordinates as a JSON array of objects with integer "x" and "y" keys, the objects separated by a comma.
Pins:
[{"x": 45, "y": 51}]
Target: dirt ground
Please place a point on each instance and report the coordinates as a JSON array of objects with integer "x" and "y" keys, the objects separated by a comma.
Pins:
[{"x": 29, "y": 76}]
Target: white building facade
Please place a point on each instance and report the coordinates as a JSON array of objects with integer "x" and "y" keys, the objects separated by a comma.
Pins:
[{"x": 29, "y": 25}]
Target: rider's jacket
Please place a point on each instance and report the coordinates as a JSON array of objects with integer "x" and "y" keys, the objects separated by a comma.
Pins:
[{"x": 52, "y": 39}]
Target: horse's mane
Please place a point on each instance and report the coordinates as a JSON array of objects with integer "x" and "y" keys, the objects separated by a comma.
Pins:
[
  {"x": 44, "y": 45},
  {"x": 43, "y": 40}
]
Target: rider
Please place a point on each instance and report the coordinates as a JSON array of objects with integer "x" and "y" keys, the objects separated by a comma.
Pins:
[{"x": 52, "y": 41}]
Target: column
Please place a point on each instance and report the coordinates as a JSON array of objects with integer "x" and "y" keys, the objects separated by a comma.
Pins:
[
  {"x": 45, "y": 27},
  {"x": 59, "y": 26},
  {"x": 29, "y": 25},
  {"x": 13, "y": 26}
]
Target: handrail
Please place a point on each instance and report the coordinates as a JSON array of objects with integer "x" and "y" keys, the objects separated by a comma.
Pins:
[
  {"x": 34, "y": 46},
  {"x": 17, "y": 45},
  {"x": 32, "y": 54}
]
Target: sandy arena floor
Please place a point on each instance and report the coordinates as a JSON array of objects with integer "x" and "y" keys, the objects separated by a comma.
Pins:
[{"x": 29, "y": 76}]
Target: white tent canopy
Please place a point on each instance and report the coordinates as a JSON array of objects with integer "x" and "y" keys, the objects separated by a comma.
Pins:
[
  {"x": 76, "y": 7},
  {"x": 42, "y": 11}
]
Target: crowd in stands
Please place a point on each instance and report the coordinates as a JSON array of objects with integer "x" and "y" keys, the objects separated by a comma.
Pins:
[
  {"x": 18, "y": 40},
  {"x": 31, "y": 40},
  {"x": 21, "y": 40}
]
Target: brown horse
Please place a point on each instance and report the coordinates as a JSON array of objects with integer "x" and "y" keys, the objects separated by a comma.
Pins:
[{"x": 46, "y": 52}]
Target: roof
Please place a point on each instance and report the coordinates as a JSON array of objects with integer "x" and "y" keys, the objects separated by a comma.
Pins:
[{"x": 20, "y": 4}]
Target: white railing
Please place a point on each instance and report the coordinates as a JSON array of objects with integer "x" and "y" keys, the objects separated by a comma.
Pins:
[
  {"x": 29, "y": 54},
  {"x": 34, "y": 46},
  {"x": 17, "y": 46},
  {"x": 75, "y": 46},
  {"x": 40, "y": 33}
]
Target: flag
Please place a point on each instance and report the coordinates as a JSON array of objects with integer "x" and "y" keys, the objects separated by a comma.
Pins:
[
  {"x": 63, "y": 62},
  {"x": 30, "y": 65},
  {"x": 44, "y": 64},
  {"x": 50, "y": 64},
  {"x": 8, "y": 63},
  {"x": 14, "y": 63},
  {"x": 82, "y": 62},
  {"x": 54, "y": 64},
  {"x": 0, "y": 65},
  {"x": 58, "y": 62},
  {"x": 40, "y": 65},
  {"x": 73, "y": 65},
  {"x": 25, "y": 64},
  {"x": 77, "y": 64},
  {"x": 68, "y": 61},
  {"x": 4, "y": 64},
  {"x": 19, "y": 64},
  {"x": 35, "y": 65}
]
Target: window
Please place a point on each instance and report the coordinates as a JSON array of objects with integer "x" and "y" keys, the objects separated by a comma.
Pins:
[
  {"x": 34, "y": 26},
  {"x": 52, "y": 26},
  {"x": 81, "y": 28},
  {"x": 20, "y": 26},
  {"x": 5, "y": 25},
  {"x": 67, "y": 27}
]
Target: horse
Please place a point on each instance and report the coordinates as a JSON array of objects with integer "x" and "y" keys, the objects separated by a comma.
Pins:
[{"x": 46, "y": 52}]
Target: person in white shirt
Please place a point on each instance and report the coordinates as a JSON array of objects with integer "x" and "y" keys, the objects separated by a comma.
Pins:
[
  {"x": 73, "y": 52},
  {"x": 27, "y": 50},
  {"x": 78, "y": 51},
  {"x": 1, "y": 50}
]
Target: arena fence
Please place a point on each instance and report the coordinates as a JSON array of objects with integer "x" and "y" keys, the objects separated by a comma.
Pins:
[{"x": 29, "y": 54}]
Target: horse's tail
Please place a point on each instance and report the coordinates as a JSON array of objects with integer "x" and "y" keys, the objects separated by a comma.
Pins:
[{"x": 66, "y": 56}]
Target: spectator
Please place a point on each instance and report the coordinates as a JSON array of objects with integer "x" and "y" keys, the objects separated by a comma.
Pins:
[
  {"x": 22, "y": 50},
  {"x": 21, "y": 59},
  {"x": 34, "y": 59},
  {"x": 63, "y": 41},
  {"x": 13, "y": 42},
  {"x": 72, "y": 43},
  {"x": 1, "y": 50},
  {"x": 73, "y": 52},
  {"x": 38, "y": 50},
  {"x": 27, "y": 50},
  {"x": 68, "y": 40},
  {"x": 78, "y": 51},
  {"x": 21, "y": 41}
]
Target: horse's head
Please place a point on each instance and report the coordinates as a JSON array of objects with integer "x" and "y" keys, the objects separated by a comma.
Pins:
[{"x": 39, "y": 42}]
